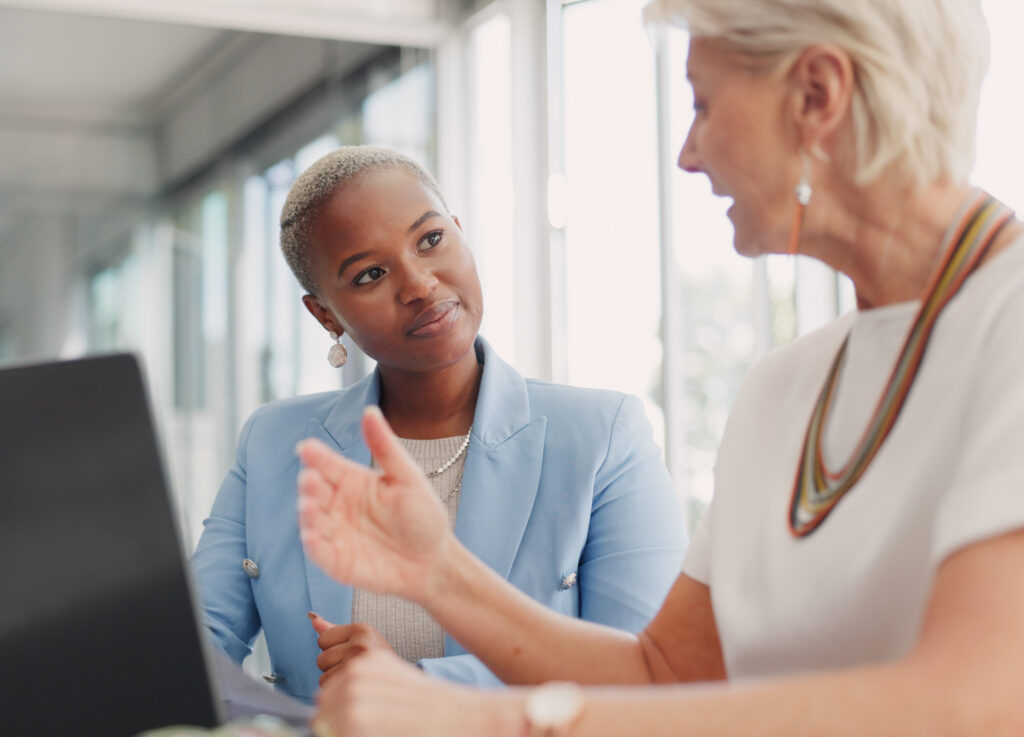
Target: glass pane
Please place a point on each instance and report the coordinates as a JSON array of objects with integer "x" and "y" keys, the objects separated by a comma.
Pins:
[
  {"x": 400, "y": 115},
  {"x": 490, "y": 224},
  {"x": 611, "y": 237},
  {"x": 189, "y": 348},
  {"x": 717, "y": 303},
  {"x": 1001, "y": 117}
]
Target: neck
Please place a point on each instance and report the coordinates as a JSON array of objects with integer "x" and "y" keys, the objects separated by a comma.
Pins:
[
  {"x": 888, "y": 243},
  {"x": 435, "y": 404}
]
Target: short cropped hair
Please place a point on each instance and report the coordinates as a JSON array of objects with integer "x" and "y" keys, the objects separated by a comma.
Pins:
[
  {"x": 919, "y": 65},
  {"x": 318, "y": 183}
]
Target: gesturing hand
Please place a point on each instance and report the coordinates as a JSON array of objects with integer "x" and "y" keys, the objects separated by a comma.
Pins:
[
  {"x": 380, "y": 531},
  {"x": 342, "y": 642}
]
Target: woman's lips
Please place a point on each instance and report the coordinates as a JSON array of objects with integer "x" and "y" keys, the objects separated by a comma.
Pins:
[{"x": 435, "y": 320}]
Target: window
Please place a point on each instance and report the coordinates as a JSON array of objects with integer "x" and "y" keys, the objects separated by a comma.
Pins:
[
  {"x": 490, "y": 222},
  {"x": 612, "y": 294}
]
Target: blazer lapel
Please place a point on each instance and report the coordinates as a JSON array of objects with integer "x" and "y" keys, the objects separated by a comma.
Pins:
[
  {"x": 499, "y": 482},
  {"x": 341, "y": 431},
  {"x": 502, "y": 472},
  {"x": 499, "y": 485},
  {"x": 503, "y": 465}
]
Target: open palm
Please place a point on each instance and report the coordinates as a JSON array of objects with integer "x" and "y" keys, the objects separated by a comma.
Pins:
[{"x": 378, "y": 530}]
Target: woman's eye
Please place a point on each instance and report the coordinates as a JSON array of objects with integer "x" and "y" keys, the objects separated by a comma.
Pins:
[
  {"x": 372, "y": 274},
  {"x": 431, "y": 239}
]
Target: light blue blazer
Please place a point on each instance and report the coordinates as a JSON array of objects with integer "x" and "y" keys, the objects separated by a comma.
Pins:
[{"x": 557, "y": 481}]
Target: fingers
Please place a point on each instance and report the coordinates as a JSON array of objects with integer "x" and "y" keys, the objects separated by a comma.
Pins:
[
  {"x": 337, "y": 655},
  {"x": 320, "y": 625},
  {"x": 331, "y": 465},
  {"x": 336, "y": 634},
  {"x": 384, "y": 446},
  {"x": 341, "y": 643},
  {"x": 317, "y": 546},
  {"x": 316, "y": 526},
  {"x": 314, "y": 490},
  {"x": 330, "y": 673},
  {"x": 359, "y": 633},
  {"x": 377, "y": 695}
]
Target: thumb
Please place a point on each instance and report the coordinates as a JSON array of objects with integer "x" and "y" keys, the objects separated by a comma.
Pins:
[
  {"x": 385, "y": 448},
  {"x": 320, "y": 624}
]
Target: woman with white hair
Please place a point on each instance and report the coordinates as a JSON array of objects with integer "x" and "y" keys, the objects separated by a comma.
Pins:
[
  {"x": 858, "y": 571},
  {"x": 560, "y": 490}
]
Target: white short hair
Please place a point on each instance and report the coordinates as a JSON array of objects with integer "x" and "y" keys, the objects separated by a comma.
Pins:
[
  {"x": 316, "y": 185},
  {"x": 919, "y": 65}
]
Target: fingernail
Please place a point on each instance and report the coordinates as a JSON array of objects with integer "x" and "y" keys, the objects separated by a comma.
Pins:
[
  {"x": 312, "y": 615},
  {"x": 373, "y": 409},
  {"x": 298, "y": 447}
]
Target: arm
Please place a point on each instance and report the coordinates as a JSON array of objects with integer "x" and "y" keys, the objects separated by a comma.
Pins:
[
  {"x": 523, "y": 642},
  {"x": 635, "y": 539},
  {"x": 387, "y": 532},
  {"x": 229, "y": 611},
  {"x": 962, "y": 679}
]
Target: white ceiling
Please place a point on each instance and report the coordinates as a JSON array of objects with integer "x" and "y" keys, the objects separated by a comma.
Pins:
[
  {"x": 84, "y": 84},
  {"x": 59, "y": 66}
]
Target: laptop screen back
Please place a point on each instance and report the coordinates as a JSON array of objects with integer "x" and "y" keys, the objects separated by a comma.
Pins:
[{"x": 97, "y": 630}]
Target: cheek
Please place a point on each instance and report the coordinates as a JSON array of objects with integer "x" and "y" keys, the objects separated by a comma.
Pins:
[
  {"x": 366, "y": 325},
  {"x": 467, "y": 281},
  {"x": 474, "y": 291}
]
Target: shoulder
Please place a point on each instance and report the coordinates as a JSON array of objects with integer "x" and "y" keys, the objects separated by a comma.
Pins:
[
  {"x": 296, "y": 408},
  {"x": 283, "y": 422},
  {"x": 991, "y": 302},
  {"x": 604, "y": 421},
  {"x": 577, "y": 403},
  {"x": 782, "y": 384},
  {"x": 801, "y": 361}
]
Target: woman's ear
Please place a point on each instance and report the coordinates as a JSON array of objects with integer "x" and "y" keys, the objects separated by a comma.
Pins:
[
  {"x": 323, "y": 315},
  {"x": 824, "y": 82}
]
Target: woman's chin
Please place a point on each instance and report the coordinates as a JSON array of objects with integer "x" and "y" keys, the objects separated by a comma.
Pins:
[
  {"x": 755, "y": 241},
  {"x": 745, "y": 244}
]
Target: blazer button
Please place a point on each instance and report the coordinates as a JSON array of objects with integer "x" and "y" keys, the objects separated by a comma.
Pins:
[
  {"x": 274, "y": 677},
  {"x": 569, "y": 581},
  {"x": 251, "y": 569}
]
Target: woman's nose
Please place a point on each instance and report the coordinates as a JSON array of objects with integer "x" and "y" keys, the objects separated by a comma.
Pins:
[
  {"x": 418, "y": 282},
  {"x": 688, "y": 160}
]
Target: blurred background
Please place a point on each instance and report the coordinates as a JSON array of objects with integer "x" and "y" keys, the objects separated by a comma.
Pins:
[{"x": 146, "y": 147}]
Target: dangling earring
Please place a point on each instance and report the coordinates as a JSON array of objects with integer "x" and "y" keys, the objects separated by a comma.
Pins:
[
  {"x": 803, "y": 194},
  {"x": 338, "y": 354}
]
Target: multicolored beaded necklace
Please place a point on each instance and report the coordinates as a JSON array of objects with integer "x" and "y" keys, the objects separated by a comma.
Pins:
[{"x": 817, "y": 490}]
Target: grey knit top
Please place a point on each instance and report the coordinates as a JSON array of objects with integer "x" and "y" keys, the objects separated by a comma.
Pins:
[{"x": 407, "y": 626}]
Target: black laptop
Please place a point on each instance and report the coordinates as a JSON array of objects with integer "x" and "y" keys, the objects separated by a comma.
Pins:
[{"x": 98, "y": 634}]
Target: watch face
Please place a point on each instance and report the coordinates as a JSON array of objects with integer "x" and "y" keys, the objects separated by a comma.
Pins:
[{"x": 554, "y": 704}]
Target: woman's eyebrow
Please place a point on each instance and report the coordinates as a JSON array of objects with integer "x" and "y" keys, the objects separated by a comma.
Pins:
[
  {"x": 350, "y": 260},
  {"x": 425, "y": 216}
]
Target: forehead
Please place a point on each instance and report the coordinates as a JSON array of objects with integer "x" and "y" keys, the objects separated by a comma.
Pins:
[
  {"x": 708, "y": 57},
  {"x": 391, "y": 192}
]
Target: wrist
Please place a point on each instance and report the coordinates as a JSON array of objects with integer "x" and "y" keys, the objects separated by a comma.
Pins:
[
  {"x": 500, "y": 713},
  {"x": 443, "y": 578}
]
